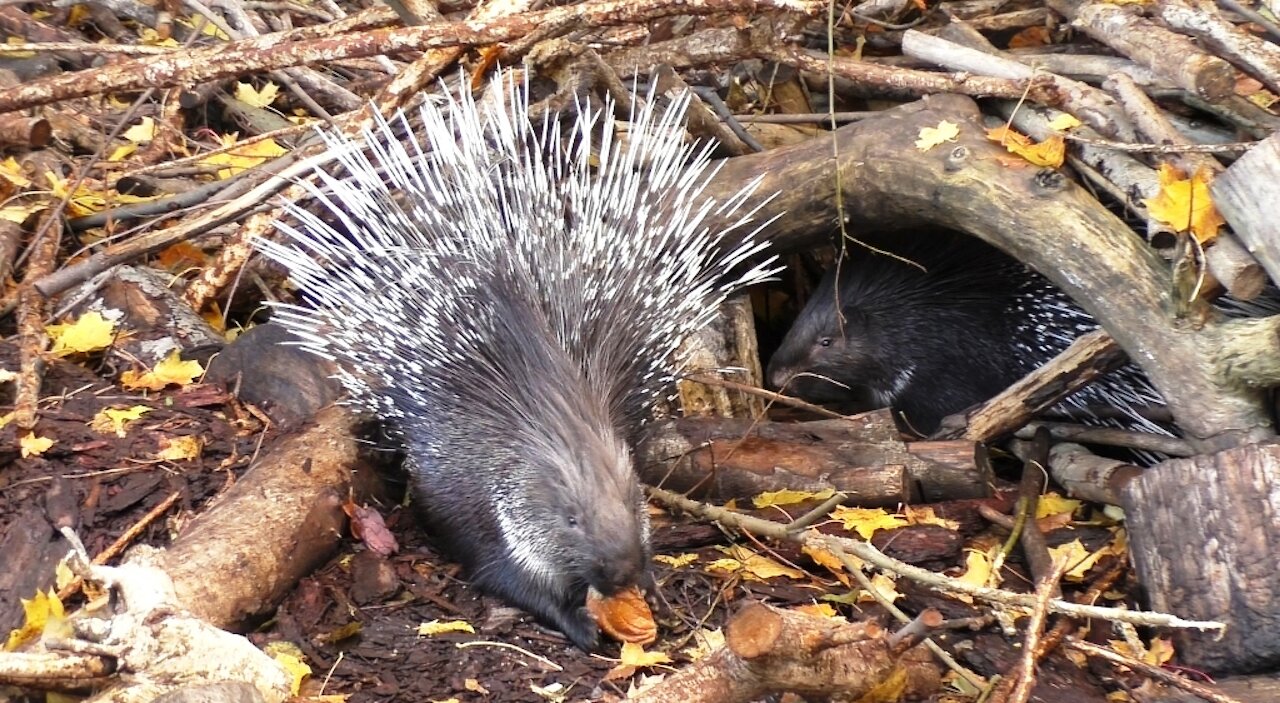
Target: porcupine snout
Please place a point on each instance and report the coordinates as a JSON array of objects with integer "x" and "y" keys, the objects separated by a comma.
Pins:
[{"x": 611, "y": 515}]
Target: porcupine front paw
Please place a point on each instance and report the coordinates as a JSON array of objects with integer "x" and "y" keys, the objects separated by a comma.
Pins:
[{"x": 577, "y": 625}]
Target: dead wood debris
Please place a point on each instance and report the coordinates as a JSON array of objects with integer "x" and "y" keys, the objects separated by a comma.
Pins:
[{"x": 1181, "y": 83}]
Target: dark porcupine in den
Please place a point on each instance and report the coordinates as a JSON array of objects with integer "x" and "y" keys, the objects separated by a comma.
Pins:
[
  {"x": 932, "y": 339},
  {"x": 512, "y": 302}
]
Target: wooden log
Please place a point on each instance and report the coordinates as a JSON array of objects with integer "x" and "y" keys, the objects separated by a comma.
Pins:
[
  {"x": 862, "y": 456},
  {"x": 1204, "y": 533},
  {"x": 223, "y": 569},
  {"x": 1245, "y": 195}
]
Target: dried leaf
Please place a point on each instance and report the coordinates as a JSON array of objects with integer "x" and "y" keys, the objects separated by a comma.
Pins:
[
  {"x": 890, "y": 689},
  {"x": 829, "y": 561},
  {"x": 243, "y": 157},
  {"x": 819, "y": 610},
  {"x": 43, "y": 612},
  {"x": 90, "y": 332},
  {"x": 297, "y": 669},
  {"x": 368, "y": 526},
  {"x": 1054, "y": 504},
  {"x": 865, "y": 521},
  {"x": 1049, "y": 153},
  {"x": 924, "y": 515},
  {"x": 930, "y": 137},
  {"x": 789, "y": 497},
  {"x": 676, "y": 561},
  {"x": 173, "y": 370},
  {"x": 884, "y": 586},
  {"x": 143, "y": 132},
  {"x": 180, "y": 448},
  {"x": 1031, "y": 37},
  {"x": 31, "y": 445},
  {"x": 86, "y": 200},
  {"x": 180, "y": 256},
  {"x": 115, "y": 420},
  {"x": 978, "y": 569},
  {"x": 246, "y": 93},
  {"x": 11, "y": 171},
  {"x": 1064, "y": 122},
  {"x": 552, "y": 692},
  {"x": 436, "y": 627},
  {"x": 752, "y": 565},
  {"x": 1185, "y": 204},
  {"x": 18, "y": 213}
]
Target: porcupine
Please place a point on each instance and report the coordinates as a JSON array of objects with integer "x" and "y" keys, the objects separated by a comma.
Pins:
[
  {"x": 512, "y": 303},
  {"x": 929, "y": 338}
]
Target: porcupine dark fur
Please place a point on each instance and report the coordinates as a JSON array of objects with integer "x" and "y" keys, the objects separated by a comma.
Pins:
[
  {"x": 932, "y": 342},
  {"x": 512, "y": 302}
]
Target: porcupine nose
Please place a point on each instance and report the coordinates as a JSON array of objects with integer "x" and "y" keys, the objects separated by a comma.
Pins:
[
  {"x": 778, "y": 375},
  {"x": 617, "y": 567}
]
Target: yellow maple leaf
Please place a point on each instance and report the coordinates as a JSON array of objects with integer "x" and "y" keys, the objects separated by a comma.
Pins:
[
  {"x": 1063, "y": 122},
  {"x": 62, "y": 575},
  {"x": 1054, "y": 504},
  {"x": 141, "y": 133},
  {"x": 246, "y": 93},
  {"x": 43, "y": 612},
  {"x": 1185, "y": 204},
  {"x": 31, "y": 445},
  {"x": 751, "y": 565},
  {"x": 1080, "y": 560},
  {"x": 122, "y": 152},
  {"x": 889, "y": 689},
  {"x": 882, "y": 585},
  {"x": 436, "y": 627},
  {"x": 827, "y": 560},
  {"x": 11, "y": 171},
  {"x": 924, "y": 515},
  {"x": 676, "y": 561},
  {"x": 930, "y": 137},
  {"x": 114, "y": 420},
  {"x": 865, "y": 521},
  {"x": 151, "y": 37},
  {"x": 1159, "y": 652},
  {"x": 1049, "y": 153},
  {"x": 173, "y": 370},
  {"x": 90, "y": 332},
  {"x": 180, "y": 448},
  {"x": 818, "y": 610},
  {"x": 249, "y": 155},
  {"x": 634, "y": 655},
  {"x": 18, "y": 213},
  {"x": 978, "y": 569},
  {"x": 85, "y": 200},
  {"x": 789, "y": 497},
  {"x": 297, "y": 669}
]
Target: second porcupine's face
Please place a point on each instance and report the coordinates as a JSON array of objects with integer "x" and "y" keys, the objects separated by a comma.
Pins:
[{"x": 836, "y": 357}]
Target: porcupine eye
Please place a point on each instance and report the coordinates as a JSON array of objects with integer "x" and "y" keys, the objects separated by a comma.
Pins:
[{"x": 824, "y": 342}]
